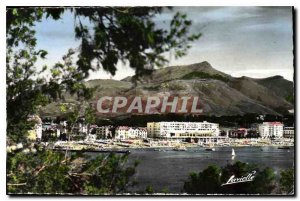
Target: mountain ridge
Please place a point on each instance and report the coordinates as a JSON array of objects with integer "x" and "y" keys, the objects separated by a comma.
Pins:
[{"x": 221, "y": 93}]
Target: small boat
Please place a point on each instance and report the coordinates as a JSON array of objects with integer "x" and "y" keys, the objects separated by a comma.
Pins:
[
  {"x": 210, "y": 149},
  {"x": 284, "y": 147}
]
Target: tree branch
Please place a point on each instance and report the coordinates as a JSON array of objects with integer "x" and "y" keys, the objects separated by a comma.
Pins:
[{"x": 20, "y": 184}]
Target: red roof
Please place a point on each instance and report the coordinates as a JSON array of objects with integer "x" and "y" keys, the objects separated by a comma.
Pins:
[{"x": 274, "y": 123}]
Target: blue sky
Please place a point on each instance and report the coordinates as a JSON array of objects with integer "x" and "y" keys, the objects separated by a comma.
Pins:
[{"x": 241, "y": 41}]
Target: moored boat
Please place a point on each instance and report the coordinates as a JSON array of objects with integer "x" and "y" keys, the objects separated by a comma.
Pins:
[
  {"x": 284, "y": 147},
  {"x": 210, "y": 149}
]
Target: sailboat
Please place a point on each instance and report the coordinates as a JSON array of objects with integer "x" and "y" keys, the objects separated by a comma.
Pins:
[{"x": 233, "y": 154}]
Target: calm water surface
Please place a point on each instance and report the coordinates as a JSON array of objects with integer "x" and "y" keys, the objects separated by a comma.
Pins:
[{"x": 169, "y": 169}]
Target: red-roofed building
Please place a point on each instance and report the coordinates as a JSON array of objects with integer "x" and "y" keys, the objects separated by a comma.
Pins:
[
  {"x": 271, "y": 129},
  {"x": 238, "y": 133}
]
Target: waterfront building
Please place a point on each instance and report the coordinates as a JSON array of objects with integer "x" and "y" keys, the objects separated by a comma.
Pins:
[
  {"x": 271, "y": 130},
  {"x": 238, "y": 133},
  {"x": 121, "y": 132},
  {"x": 138, "y": 132},
  {"x": 288, "y": 132},
  {"x": 125, "y": 132},
  {"x": 182, "y": 129}
]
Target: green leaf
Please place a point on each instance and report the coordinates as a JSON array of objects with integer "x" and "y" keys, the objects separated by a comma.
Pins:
[
  {"x": 15, "y": 11},
  {"x": 43, "y": 53},
  {"x": 55, "y": 72}
]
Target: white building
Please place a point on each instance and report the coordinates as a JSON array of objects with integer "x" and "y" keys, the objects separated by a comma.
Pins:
[
  {"x": 182, "y": 129},
  {"x": 271, "y": 129},
  {"x": 125, "y": 132},
  {"x": 121, "y": 132},
  {"x": 137, "y": 132},
  {"x": 288, "y": 132}
]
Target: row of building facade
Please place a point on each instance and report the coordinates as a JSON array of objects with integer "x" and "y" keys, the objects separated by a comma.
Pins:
[
  {"x": 172, "y": 130},
  {"x": 275, "y": 130},
  {"x": 204, "y": 129}
]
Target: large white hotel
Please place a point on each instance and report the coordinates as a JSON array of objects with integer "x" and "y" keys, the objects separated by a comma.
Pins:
[
  {"x": 271, "y": 129},
  {"x": 182, "y": 129}
]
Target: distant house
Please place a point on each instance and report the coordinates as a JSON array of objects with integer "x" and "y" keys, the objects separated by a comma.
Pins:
[
  {"x": 288, "y": 132},
  {"x": 238, "y": 133},
  {"x": 143, "y": 133},
  {"x": 122, "y": 132},
  {"x": 125, "y": 132},
  {"x": 138, "y": 132}
]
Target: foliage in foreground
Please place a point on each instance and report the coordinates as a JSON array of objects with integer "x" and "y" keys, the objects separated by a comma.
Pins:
[
  {"x": 50, "y": 172},
  {"x": 210, "y": 180},
  {"x": 126, "y": 34},
  {"x": 287, "y": 181},
  {"x": 119, "y": 34}
]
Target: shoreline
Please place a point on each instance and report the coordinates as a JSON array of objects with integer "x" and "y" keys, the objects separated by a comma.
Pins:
[
  {"x": 137, "y": 144},
  {"x": 157, "y": 148}
]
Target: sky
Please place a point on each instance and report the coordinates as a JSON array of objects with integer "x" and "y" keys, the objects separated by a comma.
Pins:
[{"x": 240, "y": 41}]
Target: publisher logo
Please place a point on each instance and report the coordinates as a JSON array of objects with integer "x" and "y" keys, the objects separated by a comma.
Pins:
[{"x": 235, "y": 180}]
